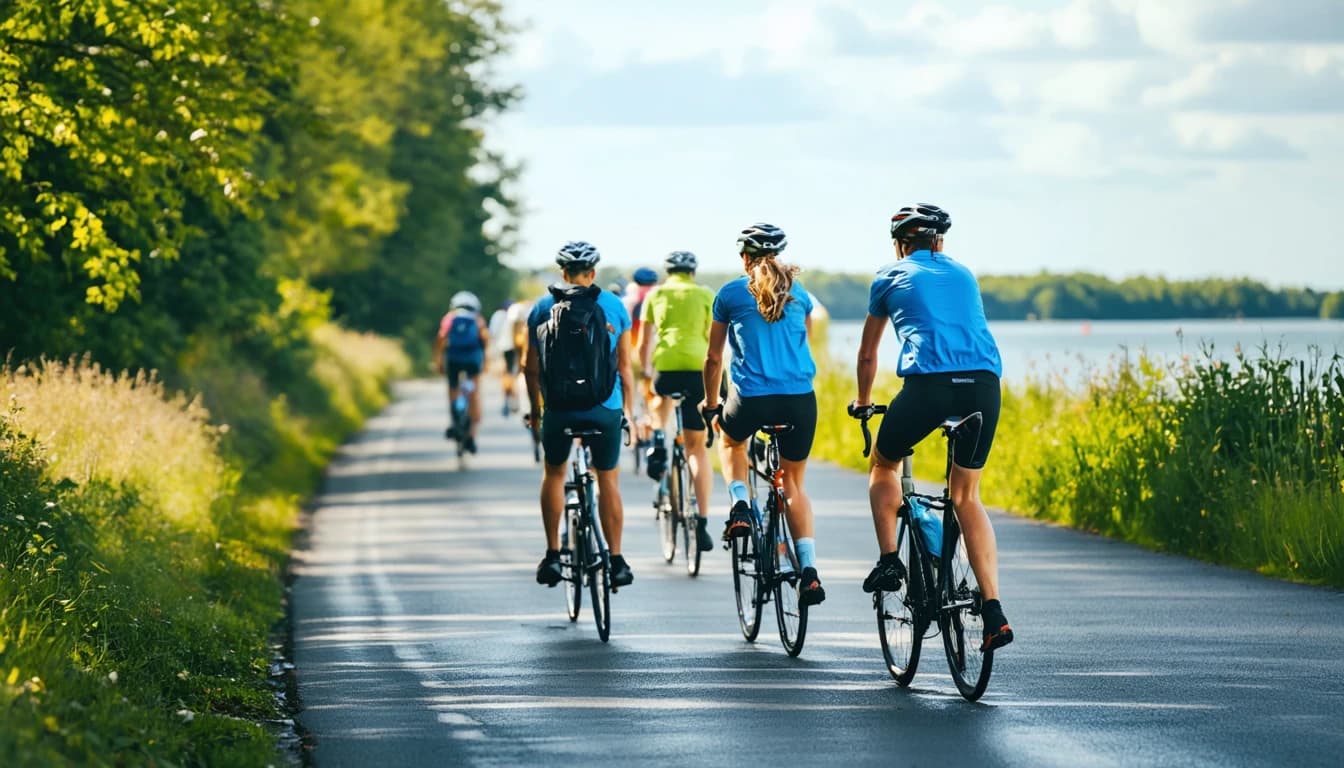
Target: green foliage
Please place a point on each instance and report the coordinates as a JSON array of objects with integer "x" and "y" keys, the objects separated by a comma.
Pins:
[
  {"x": 171, "y": 169},
  {"x": 138, "y": 587},
  {"x": 1332, "y": 306}
]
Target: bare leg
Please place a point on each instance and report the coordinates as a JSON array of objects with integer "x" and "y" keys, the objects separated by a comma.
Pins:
[
  {"x": 702, "y": 476},
  {"x": 981, "y": 547},
  {"x": 733, "y": 457},
  {"x": 610, "y": 507},
  {"x": 884, "y": 496},
  {"x": 800, "y": 505},
  {"x": 553, "y": 502},
  {"x": 474, "y": 406}
]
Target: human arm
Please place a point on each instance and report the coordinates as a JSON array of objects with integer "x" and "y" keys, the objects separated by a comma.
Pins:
[
  {"x": 646, "y": 336},
  {"x": 437, "y": 354},
  {"x": 866, "y": 369},
  {"x": 626, "y": 369},
  {"x": 718, "y": 336},
  {"x": 532, "y": 375}
]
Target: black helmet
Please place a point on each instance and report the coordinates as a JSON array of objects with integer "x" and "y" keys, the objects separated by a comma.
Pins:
[
  {"x": 681, "y": 261},
  {"x": 761, "y": 239},
  {"x": 577, "y": 254},
  {"x": 919, "y": 219}
]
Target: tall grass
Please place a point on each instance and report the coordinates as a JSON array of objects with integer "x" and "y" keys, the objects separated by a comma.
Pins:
[
  {"x": 1239, "y": 462},
  {"x": 141, "y": 540}
]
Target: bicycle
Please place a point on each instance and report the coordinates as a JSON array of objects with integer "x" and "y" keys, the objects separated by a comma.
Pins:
[
  {"x": 952, "y": 606},
  {"x": 674, "y": 500},
  {"x": 461, "y": 422},
  {"x": 765, "y": 563},
  {"x": 588, "y": 560},
  {"x": 535, "y": 434}
]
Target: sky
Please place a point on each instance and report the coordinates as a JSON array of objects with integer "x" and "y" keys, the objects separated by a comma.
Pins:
[{"x": 1121, "y": 137}]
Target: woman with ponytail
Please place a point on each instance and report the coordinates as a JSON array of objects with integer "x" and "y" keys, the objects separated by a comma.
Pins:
[{"x": 765, "y": 317}]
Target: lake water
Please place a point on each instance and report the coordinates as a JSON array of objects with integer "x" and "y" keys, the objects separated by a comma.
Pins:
[{"x": 1070, "y": 349}]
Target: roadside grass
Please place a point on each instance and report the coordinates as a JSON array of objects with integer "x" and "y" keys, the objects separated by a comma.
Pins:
[
  {"x": 1238, "y": 462},
  {"x": 142, "y": 536}
]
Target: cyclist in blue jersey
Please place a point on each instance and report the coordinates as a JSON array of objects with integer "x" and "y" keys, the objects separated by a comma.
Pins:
[
  {"x": 582, "y": 363},
  {"x": 459, "y": 351},
  {"x": 766, "y": 317},
  {"x": 950, "y": 366}
]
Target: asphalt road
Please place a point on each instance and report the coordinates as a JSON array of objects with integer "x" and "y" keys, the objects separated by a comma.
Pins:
[{"x": 422, "y": 639}]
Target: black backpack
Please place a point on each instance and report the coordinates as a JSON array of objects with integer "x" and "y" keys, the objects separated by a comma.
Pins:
[{"x": 578, "y": 369}]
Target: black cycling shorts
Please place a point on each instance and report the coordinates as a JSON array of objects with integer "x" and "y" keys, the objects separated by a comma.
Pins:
[
  {"x": 456, "y": 370},
  {"x": 691, "y": 386},
  {"x": 926, "y": 401},
  {"x": 606, "y": 448},
  {"x": 742, "y": 416},
  {"x": 511, "y": 362}
]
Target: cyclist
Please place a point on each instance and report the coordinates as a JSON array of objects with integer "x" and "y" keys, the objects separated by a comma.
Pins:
[
  {"x": 502, "y": 324},
  {"x": 766, "y": 317},
  {"x": 950, "y": 367},
  {"x": 459, "y": 351},
  {"x": 567, "y": 367},
  {"x": 673, "y": 340}
]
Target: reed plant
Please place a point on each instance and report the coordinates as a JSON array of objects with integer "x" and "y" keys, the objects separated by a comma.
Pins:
[
  {"x": 141, "y": 542},
  {"x": 1237, "y": 461}
]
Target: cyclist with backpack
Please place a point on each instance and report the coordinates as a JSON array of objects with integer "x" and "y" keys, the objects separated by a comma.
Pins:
[
  {"x": 766, "y": 317},
  {"x": 578, "y": 363},
  {"x": 950, "y": 368},
  {"x": 673, "y": 341},
  {"x": 459, "y": 350}
]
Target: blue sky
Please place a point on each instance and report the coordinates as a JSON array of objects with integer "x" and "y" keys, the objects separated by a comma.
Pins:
[{"x": 1191, "y": 139}]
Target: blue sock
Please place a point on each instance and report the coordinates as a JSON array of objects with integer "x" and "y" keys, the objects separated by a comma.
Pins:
[
  {"x": 807, "y": 552},
  {"x": 737, "y": 491}
]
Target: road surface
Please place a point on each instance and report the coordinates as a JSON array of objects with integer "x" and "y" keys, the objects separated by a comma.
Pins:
[{"x": 421, "y": 639}]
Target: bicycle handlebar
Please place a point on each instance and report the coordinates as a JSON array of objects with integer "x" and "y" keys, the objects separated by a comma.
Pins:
[
  {"x": 709, "y": 414},
  {"x": 863, "y": 414}
]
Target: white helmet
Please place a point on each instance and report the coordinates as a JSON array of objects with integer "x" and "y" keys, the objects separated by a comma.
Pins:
[{"x": 465, "y": 300}]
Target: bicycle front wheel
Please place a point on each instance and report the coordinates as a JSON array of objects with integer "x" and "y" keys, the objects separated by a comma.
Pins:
[
  {"x": 571, "y": 557},
  {"x": 679, "y": 490},
  {"x": 747, "y": 580},
  {"x": 961, "y": 619},
  {"x": 898, "y": 613},
  {"x": 790, "y": 613}
]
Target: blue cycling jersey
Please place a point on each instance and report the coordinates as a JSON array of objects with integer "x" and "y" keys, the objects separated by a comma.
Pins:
[
  {"x": 768, "y": 358},
  {"x": 934, "y": 304}
]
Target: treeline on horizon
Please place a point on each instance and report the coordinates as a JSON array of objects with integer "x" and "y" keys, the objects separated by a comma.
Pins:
[
  {"x": 1084, "y": 296},
  {"x": 199, "y": 172}
]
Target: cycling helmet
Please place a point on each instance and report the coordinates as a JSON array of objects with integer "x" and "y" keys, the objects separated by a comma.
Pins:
[
  {"x": 919, "y": 219},
  {"x": 577, "y": 253},
  {"x": 646, "y": 276},
  {"x": 761, "y": 239},
  {"x": 465, "y": 300},
  {"x": 681, "y": 261}
]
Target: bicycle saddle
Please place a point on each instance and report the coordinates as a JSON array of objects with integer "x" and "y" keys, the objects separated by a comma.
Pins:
[
  {"x": 570, "y": 432},
  {"x": 958, "y": 428},
  {"x": 776, "y": 429}
]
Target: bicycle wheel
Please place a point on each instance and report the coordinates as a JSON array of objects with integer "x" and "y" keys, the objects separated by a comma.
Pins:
[
  {"x": 960, "y": 616},
  {"x": 599, "y": 587},
  {"x": 679, "y": 486},
  {"x": 747, "y": 578},
  {"x": 790, "y": 614},
  {"x": 571, "y": 555},
  {"x": 899, "y": 613},
  {"x": 667, "y": 522}
]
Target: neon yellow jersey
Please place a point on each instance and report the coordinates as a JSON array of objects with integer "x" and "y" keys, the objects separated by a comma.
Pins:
[{"x": 680, "y": 310}]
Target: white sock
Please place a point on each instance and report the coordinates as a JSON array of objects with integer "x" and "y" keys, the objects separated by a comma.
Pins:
[{"x": 737, "y": 491}]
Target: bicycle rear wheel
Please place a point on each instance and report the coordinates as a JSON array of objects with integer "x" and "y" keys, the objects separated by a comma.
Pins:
[
  {"x": 747, "y": 580},
  {"x": 667, "y": 521},
  {"x": 571, "y": 555},
  {"x": 898, "y": 612},
  {"x": 790, "y": 613},
  {"x": 961, "y": 620}
]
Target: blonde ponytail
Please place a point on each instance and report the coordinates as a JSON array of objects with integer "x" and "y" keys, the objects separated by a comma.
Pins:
[{"x": 771, "y": 284}]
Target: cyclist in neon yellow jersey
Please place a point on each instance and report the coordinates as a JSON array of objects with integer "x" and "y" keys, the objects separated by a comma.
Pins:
[{"x": 673, "y": 340}]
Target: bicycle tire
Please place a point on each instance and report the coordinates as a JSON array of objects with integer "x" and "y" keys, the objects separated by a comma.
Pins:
[
  {"x": 790, "y": 613},
  {"x": 571, "y": 554},
  {"x": 962, "y": 624},
  {"x": 678, "y": 483},
  {"x": 599, "y": 587},
  {"x": 667, "y": 523},
  {"x": 899, "y": 612},
  {"x": 747, "y": 580}
]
